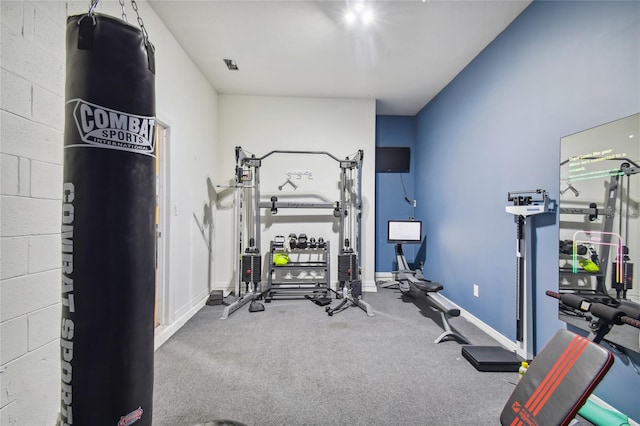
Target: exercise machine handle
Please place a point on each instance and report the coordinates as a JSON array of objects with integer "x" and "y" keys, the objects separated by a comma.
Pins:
[
  {"x": 600, "y": 310},
  {"x": 630, "y": 321}
]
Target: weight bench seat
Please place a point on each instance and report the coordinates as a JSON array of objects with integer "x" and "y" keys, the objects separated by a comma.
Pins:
[
  {"x": 558, "y": 382},
  {"x": 428, "y": 286}
]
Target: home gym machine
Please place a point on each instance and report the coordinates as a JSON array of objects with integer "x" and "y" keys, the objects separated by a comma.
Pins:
[
  {"x": 248, "y": 228},
  {"x": 563, "y": 375},
  {"x": 525, "y": 205},
  {"x": 401, "y": 232},
  {"x": 586, "y": 241}
]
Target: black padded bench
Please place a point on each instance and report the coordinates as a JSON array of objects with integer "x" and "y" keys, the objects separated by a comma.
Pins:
[{"x": 558, "y": 382}]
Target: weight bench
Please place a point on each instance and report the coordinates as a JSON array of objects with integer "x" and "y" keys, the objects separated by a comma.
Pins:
[
  {"x": 406, "y": 279},
  {"x": 558, "y": 382}
]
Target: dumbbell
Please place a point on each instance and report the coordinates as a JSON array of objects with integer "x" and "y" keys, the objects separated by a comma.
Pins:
[{"x": 302, "y": 241}]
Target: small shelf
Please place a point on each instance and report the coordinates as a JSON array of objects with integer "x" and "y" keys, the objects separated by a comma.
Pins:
[
  {"x": 597, "y": 286},
  {"x": 307, "y": 272},
  {"x": 565, "y": 270}
]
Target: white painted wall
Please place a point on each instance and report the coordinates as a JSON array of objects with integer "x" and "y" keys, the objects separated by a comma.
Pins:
[
  {"x": 263, "y": 124},
  {"x": 32, "y": 74}
]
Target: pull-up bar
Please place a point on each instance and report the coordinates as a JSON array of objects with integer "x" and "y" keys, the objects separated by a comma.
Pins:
[
  {"x": 255, "y": 161},
  {"x": 298, "y": 152}
]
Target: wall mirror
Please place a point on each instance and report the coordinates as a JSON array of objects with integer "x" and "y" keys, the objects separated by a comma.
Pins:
[{"x": 600, "y": 223}]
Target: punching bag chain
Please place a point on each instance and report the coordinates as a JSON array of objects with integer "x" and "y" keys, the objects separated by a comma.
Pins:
[
  {"x": 93, "y": 6},
  {"x": 91, "y": 13},
  {"x": 134, "y": 5},
  {"x": 124, "y": 13},
  {"x": 142, "y": 28}
]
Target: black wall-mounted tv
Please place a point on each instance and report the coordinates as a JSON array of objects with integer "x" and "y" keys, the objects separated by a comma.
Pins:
[{"x": 393, "y": 159}]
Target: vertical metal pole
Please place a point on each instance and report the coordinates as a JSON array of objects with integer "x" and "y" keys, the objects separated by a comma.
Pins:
[
  {"x": 520, "y": 285},
  {"x": 529, "y": 292}
]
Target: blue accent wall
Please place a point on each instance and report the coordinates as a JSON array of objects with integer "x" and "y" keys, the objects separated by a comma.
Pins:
[
  {"x": 561, "y": 67},
  {"x": 394, "y": 131}
]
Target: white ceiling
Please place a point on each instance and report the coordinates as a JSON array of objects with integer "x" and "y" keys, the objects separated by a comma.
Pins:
[{"x": 410, "y": 52}]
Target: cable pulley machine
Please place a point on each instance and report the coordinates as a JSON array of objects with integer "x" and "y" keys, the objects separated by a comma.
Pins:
[
  {"x": 249, "y": 268},
  {"x": 348, "y": 265},
  {"x": 248, "y": 204}
]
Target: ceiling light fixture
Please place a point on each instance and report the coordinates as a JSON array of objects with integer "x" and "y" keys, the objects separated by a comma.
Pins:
[
  {"x": 359, "y": 13},
  {"x": 231, "y": 64},
  {"x": 350, "y": 17},
  {"x": 367, "y": 16}
]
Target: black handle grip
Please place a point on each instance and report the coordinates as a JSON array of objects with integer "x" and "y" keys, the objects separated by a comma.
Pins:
[{"x": 600, "y": 310}]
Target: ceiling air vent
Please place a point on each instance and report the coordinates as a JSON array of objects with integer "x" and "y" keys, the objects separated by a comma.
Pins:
[{"x": 231, "y": 64}]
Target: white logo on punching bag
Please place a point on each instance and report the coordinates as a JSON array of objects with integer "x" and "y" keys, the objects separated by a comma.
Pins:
[{"x": 113, "y": 129}]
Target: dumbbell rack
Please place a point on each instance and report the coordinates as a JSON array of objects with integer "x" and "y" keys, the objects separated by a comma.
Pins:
[{"x": 302, "y": 261}]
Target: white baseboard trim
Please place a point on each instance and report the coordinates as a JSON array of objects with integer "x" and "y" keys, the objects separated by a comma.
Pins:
[
  {"x": 381, "y": 277},
  {"x": 226, "y": 287},
  {"x": 164, "y": 332},
  {"x": 385, "y": 276},
  {"x": 369, "y": 286},
  {"x": 504, "y": 341}
]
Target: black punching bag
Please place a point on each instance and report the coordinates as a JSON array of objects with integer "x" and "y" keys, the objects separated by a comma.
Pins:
[{"x": 108, "y": 224}]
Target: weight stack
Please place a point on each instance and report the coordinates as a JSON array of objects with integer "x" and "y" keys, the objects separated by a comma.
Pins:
[
  {"x": 251, "y": 268},
  {"x": 347, "y": 267},
  {"x": 627, "y": 276}
]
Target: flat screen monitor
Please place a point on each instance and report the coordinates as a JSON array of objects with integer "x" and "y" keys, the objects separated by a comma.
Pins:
[
  {"x": 393, "y": 159},
  {"x": 404, "y": 231}
]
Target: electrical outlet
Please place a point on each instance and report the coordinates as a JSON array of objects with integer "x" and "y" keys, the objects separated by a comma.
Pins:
[{"x": 476, "y": 290}]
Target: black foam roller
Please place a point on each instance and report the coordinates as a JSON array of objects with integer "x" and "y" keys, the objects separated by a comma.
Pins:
[
  {"x": 630, "y": 310},
  {"x": 607, "y": 313},
  {"x": 572, "y": 300},
  {"x": 108, "y": 224}
]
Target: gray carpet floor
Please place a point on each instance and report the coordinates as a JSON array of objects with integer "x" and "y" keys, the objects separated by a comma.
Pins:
[{"x": 292, "y": 364}]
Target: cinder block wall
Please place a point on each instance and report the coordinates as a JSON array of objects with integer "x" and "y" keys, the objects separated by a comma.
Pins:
[
  {"x": 31, "y": 126},
  {"x": 32, "y": 78}
]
